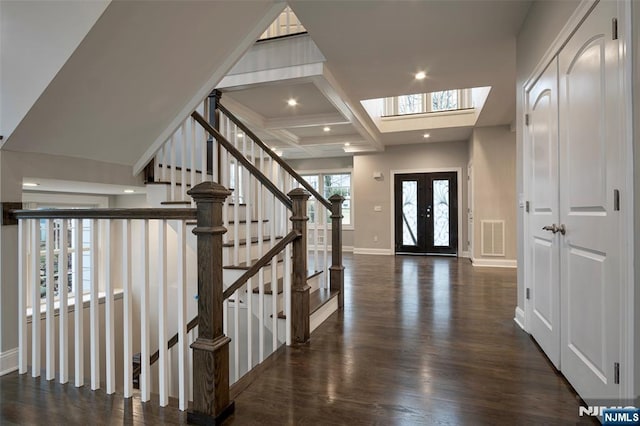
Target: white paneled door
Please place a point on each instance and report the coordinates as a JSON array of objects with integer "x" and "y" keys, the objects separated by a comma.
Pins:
[
  {"x": 544, "y": 215},
  {"x": 590, "y": 144}
]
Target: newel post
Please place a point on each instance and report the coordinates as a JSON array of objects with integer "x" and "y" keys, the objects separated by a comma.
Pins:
[
  {"x": 299, "y": 288},
  {"x": 336, "y": 270},
  {"x": 211, "y": 349}
]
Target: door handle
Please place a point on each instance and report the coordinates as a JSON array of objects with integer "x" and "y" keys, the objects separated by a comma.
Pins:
[{"x": 555, "y": 229}]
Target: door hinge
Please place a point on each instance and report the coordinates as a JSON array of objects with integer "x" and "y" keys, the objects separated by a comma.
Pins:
[
  {"x": 528, "y": 293},
  {"x": 614, "y": 29},
  {"x": 526, "y": 119},
  {"x": 616, "y": 200},
  {"x": 526, "y": 206},
  {"x": 616, "y": 373}
]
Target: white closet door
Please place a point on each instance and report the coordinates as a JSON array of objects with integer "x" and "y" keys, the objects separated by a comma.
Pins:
[
  {"x": 544, "y": 240},
  {"x": 590, "y": 140}
]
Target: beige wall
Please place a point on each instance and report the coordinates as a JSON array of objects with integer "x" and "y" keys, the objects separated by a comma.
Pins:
[
  {"x": 543, "y": 23},
  {"x": 636, "y": 148},
  {"x": 369, "y": 192},
  {"x": 494, "y": 191}
]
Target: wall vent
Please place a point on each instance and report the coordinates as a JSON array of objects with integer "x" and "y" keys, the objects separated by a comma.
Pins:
[{"x": 492, "y": 237}]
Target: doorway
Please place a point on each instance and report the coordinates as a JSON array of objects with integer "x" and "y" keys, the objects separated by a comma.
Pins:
[{"x": 426, "y": 212}]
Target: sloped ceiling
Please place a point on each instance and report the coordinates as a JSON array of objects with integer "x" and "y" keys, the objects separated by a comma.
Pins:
[{"x": 140, "y": 67}]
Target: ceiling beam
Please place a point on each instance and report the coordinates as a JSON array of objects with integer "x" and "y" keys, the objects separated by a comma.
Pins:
[{"x": 309, "y": 120}]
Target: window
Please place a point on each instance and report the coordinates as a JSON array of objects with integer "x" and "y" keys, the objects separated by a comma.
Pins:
[
  {"x": 446, "y": 100},
  {"x": 329, "y": 184}
]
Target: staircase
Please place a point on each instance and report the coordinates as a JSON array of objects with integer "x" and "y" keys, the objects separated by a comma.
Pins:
[{"x": 215, "y": 279}]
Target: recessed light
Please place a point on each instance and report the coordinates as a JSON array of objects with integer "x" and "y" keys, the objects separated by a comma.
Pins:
[
  {"x": 129, "y": 191},
  {"x": 426, "y": 136},
  {"x": 292, "y": 102},
  {"x": 347, "y": 144},
  {"x": 421, "y": 75},
  {"x": 241, "y": 135},
  {"x": 327, "y": 129},
  {"x": 30, "y": 184}
]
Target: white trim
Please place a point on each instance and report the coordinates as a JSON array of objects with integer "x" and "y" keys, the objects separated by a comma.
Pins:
[
  {"x": 324, "y": 312},
  {"x": 61, "y": 199},
  {"x": 374, "y": 251},
  {"x": 519, "y": 318},
  {"x": 345, "y": 249},
  {"x": 8, "y": 361},
  {"x": 495, "y": 263},
  {"x": 393, "y": 173},
  {"x": 465, "y": 254},
  {"x": 222, "y": 69}
]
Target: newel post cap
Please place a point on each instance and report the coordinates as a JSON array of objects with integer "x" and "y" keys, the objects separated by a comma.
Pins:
[
  {"x": 299, "y": 194},
  {"x": 209, "y": 191},
  {"x": 336, "y": 198}
]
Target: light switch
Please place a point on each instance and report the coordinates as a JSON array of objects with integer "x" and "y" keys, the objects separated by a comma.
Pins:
[{"x": 377, "y": 208}]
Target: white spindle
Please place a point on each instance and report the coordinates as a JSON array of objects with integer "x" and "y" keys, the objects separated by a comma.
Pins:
[
  {"x": 109, "y": 312},
  {"x": 236, "y": 214},
  {"x": 260, "y": 215},
  {"x": 215, "y": 172},
  {"x": 173, "y": 148},
  {"x": 183, "y": 162},
  {"x": 163, "y": 367},
  {"x": 225, "y": 182},
  {"x": 145, "y": 314},
  {"x": 166, "y": 151},
  {"x": 63, "y": 317},
  {"x": 192, "y": 152},
  {"x": 287, "y": 28},
  {"x": 287, "y": 291},
  {"x": 127, "y": 309},
  {"x": 50, "y": 318},
  {"x": 94, "y": 310},
  {"x": 35, "y": 298},
  {"x": 326, "y": 254},
  {"x": 182, "y": 316},
  {"x": 274, "y": 272},
  {"x": 203, "y": 152},
  {"x": 156, "y": 165},
  {"x": 79, "y": 317},
  {"x": 23, "y": 277},
  {"x": 316, "y": 262},
  {"x": 236, "y": 331}
]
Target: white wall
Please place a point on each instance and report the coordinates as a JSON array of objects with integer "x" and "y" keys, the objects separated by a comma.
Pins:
[
  {"x": 36, "y": 39},
  {"x": 494, "y": 189},
  {"x": 636, "y": 147},
  {"x": 369, "y": 192},
  {"x": 542, "y": 25}
]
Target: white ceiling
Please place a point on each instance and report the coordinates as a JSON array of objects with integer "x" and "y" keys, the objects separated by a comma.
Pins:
[{"x": 372, "y": 50}]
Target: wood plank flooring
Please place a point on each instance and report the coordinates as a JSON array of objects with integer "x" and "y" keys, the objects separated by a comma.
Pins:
[{"x": 421, "y": 341}]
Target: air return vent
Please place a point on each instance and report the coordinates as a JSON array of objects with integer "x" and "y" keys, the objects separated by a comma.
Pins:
[{"x": 492, "y": 237}]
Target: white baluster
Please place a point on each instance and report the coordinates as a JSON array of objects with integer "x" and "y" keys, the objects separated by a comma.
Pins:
[
  {"x": 236, "y": 331},
  {"x": 163, "y": 366},
  {"x": 316, "y": 259},
  {"x": 127, "y": 309},
  {"x": 63, "y": 317},
  {"x": 274, "y": 272},
  {"x": 287, "y": 27},
  {"x": 23, "y": 277},
  {"x": 260, "y": 215},
  {"x": 166, "y": 150},
  {"x": 203, "y": 152},
  {"x": 79, "y": 316},
  {"x": 35, "y": 298},
  {"x": 287, "y": 292},
  {"x": 182, "y": 316},
  {"x": 192, "y": 152},
  {"x": 326, "y": 252},
  {"x": 145, "y": 369},
  {"x": 50, "y": 318},
  {"x": 224, "y": 171},
  {"x": 94, "y": 310},
  {"x": 156, "y": 164},
  {"x": 109, "y": 313},
  {"x": 173, "y": 167},
  {"x": 183, "y": 162},
  {"x": 236, "y": 214}
]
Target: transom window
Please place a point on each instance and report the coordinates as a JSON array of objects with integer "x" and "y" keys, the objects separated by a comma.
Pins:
[{"x": 420, "y": 103}]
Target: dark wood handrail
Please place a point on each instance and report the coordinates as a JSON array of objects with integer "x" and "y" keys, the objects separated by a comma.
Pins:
[
  {"x": 291, "y": 236},
  {"x": 169, "y": 214},
  {"x": 275, "y": 157},
  {"x": 242, "y": 159}
]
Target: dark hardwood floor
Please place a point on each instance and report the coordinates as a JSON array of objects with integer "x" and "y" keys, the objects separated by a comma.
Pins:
[{"x": 421, "y": 341}]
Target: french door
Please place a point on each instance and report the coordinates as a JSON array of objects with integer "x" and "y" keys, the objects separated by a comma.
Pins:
[{"x": 426, "y": 213}]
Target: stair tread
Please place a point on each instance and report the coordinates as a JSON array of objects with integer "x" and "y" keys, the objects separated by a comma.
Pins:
[
  {"x": 243, "y": 241},
  {"x": 245, "y": 266},
  {"x": 231, "y": 222},
  {"x": 267, "y": 286},
  {"x": 317, "y": 300},
  {"x": 166, "y": 203}
]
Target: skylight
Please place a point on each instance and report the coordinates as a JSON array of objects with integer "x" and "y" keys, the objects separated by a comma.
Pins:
[{"x": 421, "y": 103}]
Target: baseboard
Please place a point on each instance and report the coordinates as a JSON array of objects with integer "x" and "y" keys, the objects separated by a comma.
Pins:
[
  {"x": 465, "y": 254},
  {"x": 495, "y": 263},
  {"x": 519, "y": 318},
  {"x": 345, "y": 249},
  {"x": 8, "y": 361},
  {"x": 381, "y": 252}
]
